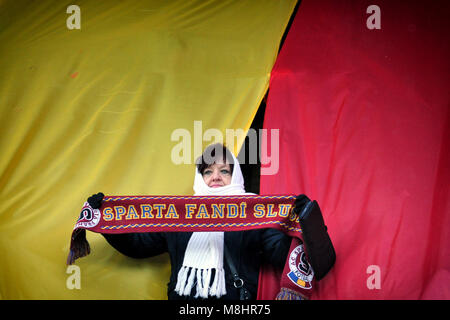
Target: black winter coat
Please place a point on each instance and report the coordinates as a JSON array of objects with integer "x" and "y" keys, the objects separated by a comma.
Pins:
[{"x": 249, "y": 250}]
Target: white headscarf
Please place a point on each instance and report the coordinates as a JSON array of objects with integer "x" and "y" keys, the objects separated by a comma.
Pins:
[{"x": 204, "y": 251}]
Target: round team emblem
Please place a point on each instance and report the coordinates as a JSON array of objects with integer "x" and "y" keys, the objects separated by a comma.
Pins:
[
  {"x": 301, "y": 272},
  {"x": 88, "y": 217}
]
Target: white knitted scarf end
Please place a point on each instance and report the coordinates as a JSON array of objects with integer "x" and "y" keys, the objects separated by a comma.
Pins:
[{"x": 201, "y": 278}]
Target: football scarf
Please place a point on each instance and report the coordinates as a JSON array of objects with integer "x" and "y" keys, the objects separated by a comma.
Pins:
[{"x": 134, "y": 214}]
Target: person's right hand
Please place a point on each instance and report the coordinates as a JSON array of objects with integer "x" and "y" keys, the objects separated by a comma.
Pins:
[{"x": 95, "y": 201}]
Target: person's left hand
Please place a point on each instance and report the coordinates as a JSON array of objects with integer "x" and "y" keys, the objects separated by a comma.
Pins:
[{"x": 300, "y": 202}]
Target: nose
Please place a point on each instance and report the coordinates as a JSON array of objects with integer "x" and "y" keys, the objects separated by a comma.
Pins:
[{"x": 216, "y": 175}]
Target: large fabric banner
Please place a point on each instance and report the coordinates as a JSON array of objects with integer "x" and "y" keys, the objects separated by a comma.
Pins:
[
  {"x": 360, "y": 95},
  {"x": 118, "y": 97}
]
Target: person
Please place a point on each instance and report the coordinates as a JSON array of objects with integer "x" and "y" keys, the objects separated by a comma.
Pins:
[{"x": 198, "y": 267}]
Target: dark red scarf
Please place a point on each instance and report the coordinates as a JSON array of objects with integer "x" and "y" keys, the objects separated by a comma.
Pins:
[{"x": 133, "y": 214}]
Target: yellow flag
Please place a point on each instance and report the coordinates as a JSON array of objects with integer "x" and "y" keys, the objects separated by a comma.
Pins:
[{"x": 117, "y": 97}]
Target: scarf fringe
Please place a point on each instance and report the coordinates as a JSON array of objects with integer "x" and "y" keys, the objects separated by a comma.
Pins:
[
  {"x": 288, "y": 294},
  {"x": 202, "y": 277},
  {"x": 190, "y": 283},
  {"x": 79, "y": 246},
  {"x": 203, "y": 280}
]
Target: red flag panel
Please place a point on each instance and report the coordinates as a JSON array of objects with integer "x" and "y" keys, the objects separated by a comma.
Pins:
[{"x": 363, "y": 114}]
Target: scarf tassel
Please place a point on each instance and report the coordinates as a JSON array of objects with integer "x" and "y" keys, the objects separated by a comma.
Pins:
[
  {"x": 79, "y": 246},
  {"x": 201, "y": 278},
  {"x": 288, "y": 294}
]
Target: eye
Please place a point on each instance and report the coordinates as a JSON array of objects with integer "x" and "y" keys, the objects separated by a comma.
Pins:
[
  {"x": 224, "y": 171},
  {"x": 207, "y": 172}
]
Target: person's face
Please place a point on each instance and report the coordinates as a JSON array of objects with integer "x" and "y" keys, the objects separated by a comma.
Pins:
[{"x": 217, "y": 175}]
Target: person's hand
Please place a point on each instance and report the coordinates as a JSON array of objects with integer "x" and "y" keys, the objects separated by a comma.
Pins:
[
  {"x": 300, "y": 202},
  {"x": 95, "y": 201}
]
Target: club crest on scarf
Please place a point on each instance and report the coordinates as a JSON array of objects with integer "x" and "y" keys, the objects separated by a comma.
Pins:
[
  {"x": 301, "y": 272},
  {"x": 89, "y": 217}
]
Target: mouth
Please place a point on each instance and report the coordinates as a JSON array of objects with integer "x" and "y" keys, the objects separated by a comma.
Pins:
[{"x": 215, "y": 185}]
